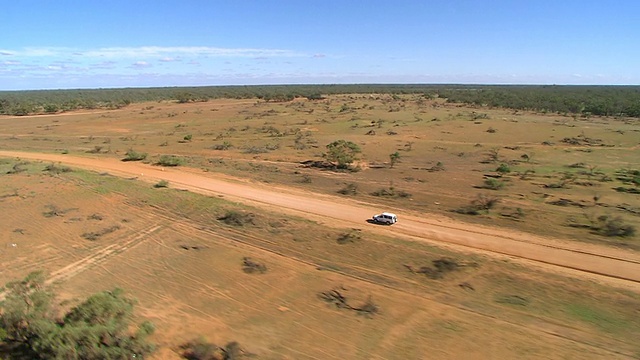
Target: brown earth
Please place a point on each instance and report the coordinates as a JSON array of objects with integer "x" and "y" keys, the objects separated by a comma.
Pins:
[
  {"x": 592, "y": 259},
  {"x": 538, "y": 289}
]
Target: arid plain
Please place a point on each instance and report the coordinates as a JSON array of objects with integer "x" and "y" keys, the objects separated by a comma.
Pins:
[{"x": 515, "y": 237}]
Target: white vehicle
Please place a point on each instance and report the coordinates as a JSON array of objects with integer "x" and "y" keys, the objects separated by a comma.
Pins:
[{"x": 385, "y": 218}]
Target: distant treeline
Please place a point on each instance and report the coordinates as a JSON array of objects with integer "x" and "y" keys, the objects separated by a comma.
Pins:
[{"x": 584, "y": 100}]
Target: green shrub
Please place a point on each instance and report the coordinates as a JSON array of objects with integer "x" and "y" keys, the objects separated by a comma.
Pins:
[
  {"x": 132, "y": 155},
  {"x": 99, "y": 328},
  {"x": 161, "y": 184},
  {"x": 170, "y": 160},
  {"x": 503, "y": 168},
  {"x": 493, "y": 184},
  {"x": 614, "y": 226}
]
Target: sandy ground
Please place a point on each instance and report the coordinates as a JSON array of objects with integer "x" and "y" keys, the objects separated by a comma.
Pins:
[{"x": 611, "y": 265}]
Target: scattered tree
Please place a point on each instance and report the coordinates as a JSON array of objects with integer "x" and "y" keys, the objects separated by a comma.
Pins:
[
  {"x": 394, "y": 158},
  {"x": 342, "y": 153}
]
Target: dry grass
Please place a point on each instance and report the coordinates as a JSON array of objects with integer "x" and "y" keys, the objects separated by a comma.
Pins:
[
  {"x": 444, "y": 149},
  {"x": 277, "y": 314}
]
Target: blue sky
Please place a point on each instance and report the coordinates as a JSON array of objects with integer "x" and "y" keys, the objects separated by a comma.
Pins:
[{"x": 52, "y": 44}]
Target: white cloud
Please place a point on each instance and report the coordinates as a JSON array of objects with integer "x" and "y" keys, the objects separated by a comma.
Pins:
[
  {"x": 140, "y": 64},
  {"x": 170, "y": 53}
]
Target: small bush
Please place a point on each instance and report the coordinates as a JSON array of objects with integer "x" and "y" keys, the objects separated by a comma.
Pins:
[
  {"x": 132, "y": 155},
  {"x": 237, "y": 218},
  {"x": 337, "y": 298},
  {"x": 18, "y": 168},
  {"x": 256, "y": 150},
  {"x": 482, "y": 203},
  {"x": 614, "y": 226},
  {"x": 95, "y": 235},
  {"x": 391, "y": 192},
  {"x": 97, "y": 149},
  {"x": 170, "y": 160},
  {"x": 503, "y": 168},
  {"x": 161, "y": 184},
  {"x": 349, "y": 237},
  {"x": 349, "y": 189},
  {"x": 57, "y": 169},
  {"x": 493, "y": 184},
  {"x": 306, "y": 179},
  {"x": 439, "y": 166},
  {"x": 251, "y": 267},
  {"x": 224, "y": 146},
  {"x": 201, "y": 349}
]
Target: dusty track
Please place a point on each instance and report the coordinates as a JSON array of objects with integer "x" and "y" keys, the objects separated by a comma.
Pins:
[{"x": 599, "y": 261}]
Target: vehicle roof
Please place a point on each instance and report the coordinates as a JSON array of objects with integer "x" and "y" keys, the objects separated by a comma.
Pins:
[{"x": 388, "y": 213}]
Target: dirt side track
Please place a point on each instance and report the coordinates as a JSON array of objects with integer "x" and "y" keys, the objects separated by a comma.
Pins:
[{"x": 604, "y": 263}]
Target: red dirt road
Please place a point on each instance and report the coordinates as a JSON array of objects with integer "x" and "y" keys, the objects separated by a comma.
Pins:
[{"x": 600, "y": 262}]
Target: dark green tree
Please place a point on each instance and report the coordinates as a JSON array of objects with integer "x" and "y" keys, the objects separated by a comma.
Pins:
[
  {"x": 342, "y": 153},
  {"x": 98, "y": 328}
]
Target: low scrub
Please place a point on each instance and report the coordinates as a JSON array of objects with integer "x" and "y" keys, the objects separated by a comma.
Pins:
[
  {"x": 95, "y": 235},
  {"x": 606, "y": 225},
  {"x": 481, "y": 204},
  {"x": 170, "y": 160},
  {"x": 391, "y": 192},
  {"x": 238, "y": 218},
  {"x": 439, "y": 268},
  {"x": 349, "y": 237},
  {"x": 349, "y": 189},
  {"x": 57, "y": 169},
  {"x": 18, "y": 167},
  {"x": 132, "y": 155},
  {"x": 613, "y": 226},
  {"x": 201, "y": 349},
  {"x": 161, "y": 184},
  {"x": 224, "y": 146},
  {"x": 493, "y": 184},
  {"x": 336, "y": 297},
  {"x": 251, "y": 266}
]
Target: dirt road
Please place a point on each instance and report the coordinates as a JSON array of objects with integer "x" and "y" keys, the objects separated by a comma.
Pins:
[{"x": 604, "y": 263}]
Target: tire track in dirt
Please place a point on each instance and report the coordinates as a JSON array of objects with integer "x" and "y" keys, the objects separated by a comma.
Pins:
[
  {"x": 228, "y": 236},
  {"x": 101, "y": 255}
]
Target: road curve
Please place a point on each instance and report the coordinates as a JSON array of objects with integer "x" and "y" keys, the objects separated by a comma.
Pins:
[{"x": 605, "y": 262}]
